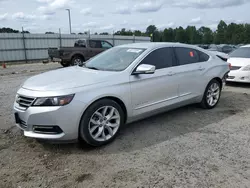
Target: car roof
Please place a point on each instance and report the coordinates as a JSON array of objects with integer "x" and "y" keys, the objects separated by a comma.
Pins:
[
  {"x": 245, "y": 46},
  {"x": 153, "y": 45}
]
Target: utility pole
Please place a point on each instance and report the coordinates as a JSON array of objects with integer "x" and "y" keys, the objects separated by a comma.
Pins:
[{"x": 69, "y": 21}]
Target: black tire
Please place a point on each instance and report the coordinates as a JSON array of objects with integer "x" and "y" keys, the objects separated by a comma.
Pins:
[
  {"x": 84, "y": 133},
  {"x": 77, "y": 60},
  {"x": 65, "y": 64},
  {"x": 204, "y": 103}
]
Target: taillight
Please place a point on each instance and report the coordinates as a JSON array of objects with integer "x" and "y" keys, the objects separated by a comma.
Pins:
[{"x": 230, "y": 66}]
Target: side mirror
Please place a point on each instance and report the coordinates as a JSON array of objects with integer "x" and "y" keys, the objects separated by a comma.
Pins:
[{"x": 144, "y": 69}]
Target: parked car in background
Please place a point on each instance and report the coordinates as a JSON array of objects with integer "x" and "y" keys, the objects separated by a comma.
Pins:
[
  {"x": 222, "y": 48},
  {"x": 82, "y": 51},
  {"x": 121, "y": 85},
  {"x": 240, "y": 65},
  {"x": 204, "y": 46}
]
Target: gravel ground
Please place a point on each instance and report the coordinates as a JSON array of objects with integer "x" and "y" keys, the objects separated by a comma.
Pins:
[{"x": 187, "y": 147}]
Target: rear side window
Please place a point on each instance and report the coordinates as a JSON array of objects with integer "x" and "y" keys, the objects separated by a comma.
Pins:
[
  {"x": 160, "y": 58},
  {"x": 95, "y": 44},
  {"x": 187, "y": 56},
  {"x": 202, "y": 56}
]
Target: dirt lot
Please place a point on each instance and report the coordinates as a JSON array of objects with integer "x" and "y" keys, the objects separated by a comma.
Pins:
[{"x": 187, "y": 147}]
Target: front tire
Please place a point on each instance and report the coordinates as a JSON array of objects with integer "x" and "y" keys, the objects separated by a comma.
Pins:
[
  {"x": 77, "y": 60},
  {"x": 101, "y": 122},
  {"x": 211, "y": 95}
]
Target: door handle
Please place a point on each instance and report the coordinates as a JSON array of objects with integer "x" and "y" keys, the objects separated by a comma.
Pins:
[{"x": 201, "y": 68}]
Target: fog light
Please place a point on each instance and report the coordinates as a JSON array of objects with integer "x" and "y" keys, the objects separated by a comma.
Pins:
[
  {"x": 47, "y": 129},
  {"x": 244, "y": 78}
]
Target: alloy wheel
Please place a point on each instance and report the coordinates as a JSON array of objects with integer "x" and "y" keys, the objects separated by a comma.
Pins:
[
  {"x": 104, "y": 123},
  {"x": 213, "y": 94},
  {"x": 78, "y": 62}
]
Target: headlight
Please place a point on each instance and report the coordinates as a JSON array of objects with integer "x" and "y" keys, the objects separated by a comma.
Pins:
[
  {"x": 53, "y": 101},
  {"x": 246, "y": 68}
]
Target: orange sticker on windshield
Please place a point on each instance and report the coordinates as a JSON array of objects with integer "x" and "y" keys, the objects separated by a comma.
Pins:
[{"x": 191, "y": 54}]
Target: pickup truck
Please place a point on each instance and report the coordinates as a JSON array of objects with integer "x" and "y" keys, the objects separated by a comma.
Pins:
[{"x": 83, "y": 50}]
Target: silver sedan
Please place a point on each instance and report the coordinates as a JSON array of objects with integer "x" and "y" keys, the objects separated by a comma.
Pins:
[{"x": 121, "y": 85}]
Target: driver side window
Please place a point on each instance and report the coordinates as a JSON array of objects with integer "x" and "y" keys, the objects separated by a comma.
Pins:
[{"x": 160, "y": 58}]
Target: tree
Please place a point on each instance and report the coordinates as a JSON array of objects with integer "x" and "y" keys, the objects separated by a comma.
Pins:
[
  {"x": 8, "y": 30},
  {"x": 151, "y": 29},
  {"x": 220, "y": 37},
  {"x": 192, "y": 35},
  {"x": 137, "y": 33},
  {"x": 158, "y": 36},
  {"x": 169, "y": 35},
  {"x": 49, "y": 32},
  {"x": 104, "y": 33},
  {"x": 206, "y": 35},
  {"x": 181, "y": 35},
  {"x": 124, "y": 32},
  {"x": 25, "y": 32},
  {"x": 246, "y": 34},
  {"x": 232, "y": 33}
]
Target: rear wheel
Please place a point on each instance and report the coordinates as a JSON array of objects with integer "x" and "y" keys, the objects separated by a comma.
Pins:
[
  {"x": 212, "y": 95},
  {"x": 101, "y": 122},
  {"x": 77, "y": 60}
]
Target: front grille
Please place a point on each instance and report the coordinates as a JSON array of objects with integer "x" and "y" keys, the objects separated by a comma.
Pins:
[
  {"x": 24, "y": 102},
  {"x": 235, "y": 68}
]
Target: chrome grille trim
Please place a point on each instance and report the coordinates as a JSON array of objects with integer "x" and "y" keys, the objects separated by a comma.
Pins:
[{"x": 24, "y": 102}]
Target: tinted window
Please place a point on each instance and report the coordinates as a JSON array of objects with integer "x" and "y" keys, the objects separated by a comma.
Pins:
[
  {"x": 95, "y": 44},
  {"x": 241, "y": 53},
  {"x": 186, "y": 56},
  {"x": 160, "y": 58},
  {"x": 202, "y": 56},
  {"x": 106, "y": 45}
]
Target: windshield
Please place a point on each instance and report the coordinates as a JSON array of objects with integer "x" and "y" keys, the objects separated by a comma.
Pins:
[
  {"x": 114, "y": 59},
  {"x": 241, "y": 53}
]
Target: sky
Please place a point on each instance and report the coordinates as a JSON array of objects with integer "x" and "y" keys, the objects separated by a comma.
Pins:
[{"x": 39, "y": 16}]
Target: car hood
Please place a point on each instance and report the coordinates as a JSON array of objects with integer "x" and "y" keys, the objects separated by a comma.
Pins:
[
  {"x": 239, "y": 61},
  {"x": 66, "y": 78}
]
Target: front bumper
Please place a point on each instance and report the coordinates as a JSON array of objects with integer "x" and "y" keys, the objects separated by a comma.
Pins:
[
  {"x": 239, "y": 76},
  {"x": 67, "y": 118}
]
